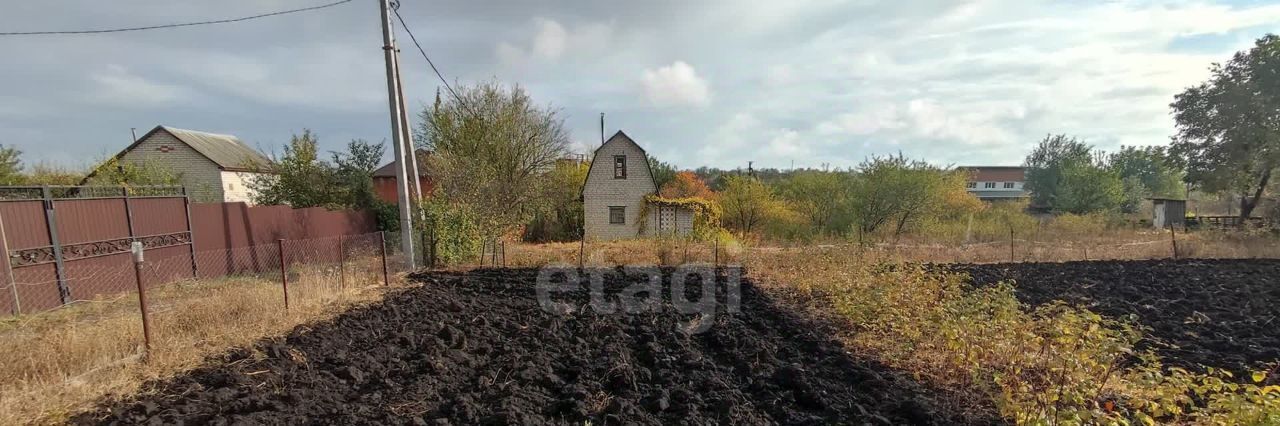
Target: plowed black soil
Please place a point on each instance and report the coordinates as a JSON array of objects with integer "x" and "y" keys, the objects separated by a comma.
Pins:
[
  {"x": 475, "y": 348},
  {"x": 1218, "y": 313}
]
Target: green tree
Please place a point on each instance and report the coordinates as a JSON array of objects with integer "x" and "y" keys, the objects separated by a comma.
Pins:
[
  {"x": 1088, "y": 188},
  {"x": 353, "y": 170},
  {"x": 491, "y": 150},
  {"x": 1228, "y": 127},
  {"x": 822, "y": 197},
  {"x": 562, "y": 220},
  {"x": 899, "y": 192},
  {"x": 746, "y": 204},
  {"x": 663, "y": 173},
  {"x": 1047, "y": 165},
  {"x": 10, "y": 166},
  {"x": 114, "y": 172},
  {"x": 1151, "y": 166},
  {"x": 298, "y": 178}
]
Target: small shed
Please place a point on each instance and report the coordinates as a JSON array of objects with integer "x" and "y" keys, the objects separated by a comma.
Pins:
[{"x": 1166, "y": 212}]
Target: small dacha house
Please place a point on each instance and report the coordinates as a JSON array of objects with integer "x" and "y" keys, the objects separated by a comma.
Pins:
[
  {"x": 618, "y": 198},
  {"x": 212, "y": 167}
]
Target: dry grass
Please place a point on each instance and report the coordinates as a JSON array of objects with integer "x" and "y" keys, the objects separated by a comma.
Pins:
[
  {"x": 60, "y": 362},
  {"x": 1046, "y": 247}
]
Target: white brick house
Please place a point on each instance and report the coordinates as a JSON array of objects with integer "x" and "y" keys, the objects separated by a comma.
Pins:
[
  {"x": 613, "y": 197},
  {"x": 213, "y": 167}
]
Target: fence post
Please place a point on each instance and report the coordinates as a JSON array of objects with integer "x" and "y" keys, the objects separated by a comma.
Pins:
[
  {"x": 382, "y": 248},
  {"x": 1173, "y": 238},
  {"x": 136, "y": 248},
  {"x": 342, "y": 264},
  {"x": 715, "y": 257},
  {"x": 1011, "y": 245},
  {"x": 284, "y": 273},
  {"x": 504, "y": 253},
  {"x": 51, "y": 224},
  {"x": 582, "y": 248},
  {"x": 8, "y": 269},
  {"x": 191, "y": 233},
  {"x": 422, "y": 243}
]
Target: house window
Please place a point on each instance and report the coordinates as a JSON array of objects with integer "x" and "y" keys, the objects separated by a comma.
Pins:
[
  {"x": 989, "y": 185},
  {"x": 1008, "y": 185},
  {"x": 972, "y": 185},
  {"x": 619, "y": 167},
  {"x": 617, "y": 215},
  {"x": 231, "y": 186}
]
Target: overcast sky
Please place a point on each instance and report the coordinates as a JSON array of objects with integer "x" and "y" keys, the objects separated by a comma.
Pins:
[{"x": 718, "y": 83}]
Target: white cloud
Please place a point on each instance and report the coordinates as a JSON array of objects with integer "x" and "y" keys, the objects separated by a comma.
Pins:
[
  {"x": 551, "y": 41},
  {"x": 677, "y": 84}
]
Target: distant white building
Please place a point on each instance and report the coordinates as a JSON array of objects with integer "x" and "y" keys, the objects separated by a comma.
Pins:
[
  {"x": 213, "y": 167},
  {"x": 993, "y": 183}
]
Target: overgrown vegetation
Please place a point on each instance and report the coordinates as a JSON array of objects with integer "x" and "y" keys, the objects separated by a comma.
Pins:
[{"x": 1053, "y": 364}]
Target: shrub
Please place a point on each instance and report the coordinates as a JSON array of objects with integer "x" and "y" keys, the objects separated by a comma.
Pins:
[{"x": 453, "y": 228}]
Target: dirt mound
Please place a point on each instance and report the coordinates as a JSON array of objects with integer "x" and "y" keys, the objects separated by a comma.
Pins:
[
  {"x": 1219, "y": 313},
  {"x": 476, "y": 348}
]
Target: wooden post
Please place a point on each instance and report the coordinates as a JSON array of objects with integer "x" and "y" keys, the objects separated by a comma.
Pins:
[
  {"x": 284, "y": 273},
  {"x": 382, "y": 248},
  {"x": 422, "y": 245},
  {"x": 504, "y": 253},
  {"x": 1011, "y": 245},
  {"x": 342, "y": 264},
  {"x": 1173, "y": 238},
  {"x": 136, "y": 247},
  {"x": 582, "y": 249},
  {"x": 715, "y": 256}
]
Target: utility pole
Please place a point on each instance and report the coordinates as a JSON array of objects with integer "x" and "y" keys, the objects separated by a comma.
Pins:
[
  {"x": 397, "y": 135},
  {"x": 415, "y": 183}
]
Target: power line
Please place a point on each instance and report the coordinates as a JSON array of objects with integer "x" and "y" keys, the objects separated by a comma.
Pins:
[
  {"x": 187, "y": 24},
  {"x": 433, "y": 64}
]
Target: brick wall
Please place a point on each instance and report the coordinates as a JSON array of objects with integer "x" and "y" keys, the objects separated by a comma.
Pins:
[
  {"x": 603, "y": 191},
  {"x": 201, "y": 176}
]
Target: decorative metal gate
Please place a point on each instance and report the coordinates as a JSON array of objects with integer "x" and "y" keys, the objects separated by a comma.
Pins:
[{"x": 56, "y": 235}]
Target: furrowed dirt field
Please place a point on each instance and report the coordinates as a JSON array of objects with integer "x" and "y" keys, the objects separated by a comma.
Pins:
[
  {"x": 476, "y": 348},
  {"x": 1218, "y": 313}
]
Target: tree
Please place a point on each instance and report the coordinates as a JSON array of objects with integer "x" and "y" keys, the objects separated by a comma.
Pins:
[
  {"x": 821, "y": 197},
  {"x": 685, "y": 185},
  {"x": 1087, "y": 188},
  {"x": 491, "y": 151},
  {"x": 114, "y": 172},
  {"x": 10, "y": 166},
  {"x": 1151, "y": 166},
  {"x": 746, "y": 202},
  {"x": 1046, "y": 167},
  {"x": 354, "y": 173},
  {"x": 662, "y": 172},
  {"x": 1228, "y": 127},
  {"x": 298, "y": 178},
  {"x": 562, "y": 221},
  {"x": 899, "y": 192}
]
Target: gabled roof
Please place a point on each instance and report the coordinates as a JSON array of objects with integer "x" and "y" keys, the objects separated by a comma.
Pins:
[
  {"x": 995, "y": 173},
  {"x": 226, "y": 151},
  {"x": 389, "y": 169},
  {"x": 618, "y": 137}
]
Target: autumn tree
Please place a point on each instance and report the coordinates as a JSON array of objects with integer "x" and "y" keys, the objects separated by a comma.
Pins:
[
  {"x": 746, "y": 203},
  {"x": 1228, "y": 127},
  {"x": 684, "y": 185},
  {"x": 492, "y": 147},
  {"x": 663, "y": 172},
  {"x": 897, "y": 192},
  {"x": 1066, "y": 174},
  {"x": 822, "y": 197}
]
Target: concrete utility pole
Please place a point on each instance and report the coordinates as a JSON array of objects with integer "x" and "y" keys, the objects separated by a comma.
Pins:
[
  {"x": 397, "y": 135},
  {"x": 415, "y": 181}
]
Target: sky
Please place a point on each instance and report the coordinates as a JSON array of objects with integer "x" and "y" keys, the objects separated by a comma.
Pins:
[{"x": 803, "y": 83}]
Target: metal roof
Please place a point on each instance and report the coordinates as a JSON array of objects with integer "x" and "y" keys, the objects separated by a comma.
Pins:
[
  {"x": 389, "y": 169},
  {"x": 227, "y": 151}
]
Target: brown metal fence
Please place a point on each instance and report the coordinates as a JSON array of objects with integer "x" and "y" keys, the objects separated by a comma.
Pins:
[{"x": 66, "y": 244}]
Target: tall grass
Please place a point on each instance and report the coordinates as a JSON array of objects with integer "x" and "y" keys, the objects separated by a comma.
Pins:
[{"x": 60, "y": 362}]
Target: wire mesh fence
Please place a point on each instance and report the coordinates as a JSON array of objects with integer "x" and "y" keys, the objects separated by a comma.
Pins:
[{"x": 338, "y": 260}]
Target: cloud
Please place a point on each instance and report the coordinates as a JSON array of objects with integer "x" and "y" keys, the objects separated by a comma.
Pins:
[
  {"x": 551, "y": 41},
  {"x": 677, "y": 84},
  {"x": 117, "y": 86}
]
